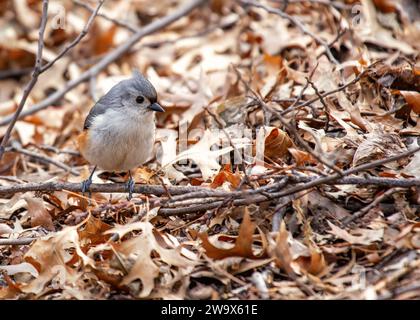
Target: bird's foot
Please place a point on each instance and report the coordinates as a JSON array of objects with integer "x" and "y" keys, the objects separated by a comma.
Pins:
[
  {"x": 86, "y": 183},
  {"x": 86, "y": 187},
  {"x": 130, "y": 188}
]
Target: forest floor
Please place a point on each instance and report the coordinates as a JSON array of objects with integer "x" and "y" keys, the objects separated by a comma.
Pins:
[{"x": 286, "y": 164}]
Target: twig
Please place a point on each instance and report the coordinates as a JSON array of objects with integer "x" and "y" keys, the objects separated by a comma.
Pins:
[
  {"x": 96, "y": 187},
  {"x": 103, "y": 15},
  {"x": 109, "y": 58},
  {"x": 297, "y": 23},
  {"x": 57, "y": 150},
  {"x": 336, "y": 4},
  {"x": 326, "y": 94},
  {"x": 332, "y": 178},
  {"x": 371, "y": 205},
  {"x": 39, "y": 68},
  {"x": 302, "y": 92},
  {"x": 16, "y": 147},
  {"x": 292, "y": 129},
  {"x": 323, "y": 102},
  {"x": 304, "y": 144},
  {"x": 34, "y": 78},
  {"x": 77, "y": 39},
  {"x": 185, "y": 192},
  {"x": 338, "y": 36},
  {"x": 19, "y": 241}
]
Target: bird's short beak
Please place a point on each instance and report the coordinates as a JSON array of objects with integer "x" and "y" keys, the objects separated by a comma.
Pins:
[{"x": 156, "y": 107}]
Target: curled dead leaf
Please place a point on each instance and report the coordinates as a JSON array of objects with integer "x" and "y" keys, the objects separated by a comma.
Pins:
[
  {"x": 226, "y": 175},
  {"x": 282, "y": 250},
  {"x": 277, "y": 144},
  {"x": 50, "y": 256},
  {"x": 243, "y": 243},
  {"x": 412, "y": 98},
  {"x": 315, "y": 264},
  {"x": 38, "y": 213},
  {"x": 301, "y": 157},
  {"x": 379, "y": 144},
  {"x": 93, "y": 231}
]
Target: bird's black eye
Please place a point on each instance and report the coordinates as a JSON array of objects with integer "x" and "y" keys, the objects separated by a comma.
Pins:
[{"x": 139, "y": 99}]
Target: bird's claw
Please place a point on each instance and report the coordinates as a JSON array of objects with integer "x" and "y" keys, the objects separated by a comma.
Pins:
[
  {"x": 86, "y": 185},
  {"x": 130, "y": 188}
]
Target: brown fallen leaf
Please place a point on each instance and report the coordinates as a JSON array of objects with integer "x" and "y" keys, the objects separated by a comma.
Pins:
[
  {"x": 412, "y": 98},
  {"x": 282, "y": 250},
  {"x": 104, "y": 40},
  {"x": 379, "y": 144},
  {"x": 315, "y": 264},
  {"x": 387, "y": 6},
  {"x": 359, "y": 236},
  {"x": 301, "y": 157},
  {"x": 38, "y": 213},
  {"x": 243, "y": 243},
  {"x": 138, "y": 250},
  {"x": 226, "y": 175},
  {"x": 50, "y": 256},
  {"x": 277, "y": 144},
  {"x": 93, "y": 231}
]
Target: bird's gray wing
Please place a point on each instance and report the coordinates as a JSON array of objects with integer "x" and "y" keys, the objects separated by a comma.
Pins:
[
  {"x": 97, "y": 109},
  {"x": 111, "y": 99}
]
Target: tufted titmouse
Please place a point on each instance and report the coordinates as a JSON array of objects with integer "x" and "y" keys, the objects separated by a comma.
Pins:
[{"x": 119, "y": 131}]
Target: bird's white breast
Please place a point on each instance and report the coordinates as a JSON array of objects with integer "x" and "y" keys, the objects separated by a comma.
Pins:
[{"x": 121, "y": 139}]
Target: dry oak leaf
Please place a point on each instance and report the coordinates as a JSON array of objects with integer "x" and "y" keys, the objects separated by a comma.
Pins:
[
  {"x": 408, "y": 237},
  {"x": 38, "y": 213},
  {"x": 93, "y": 231},
  {"x": 412, "y": 98},
  {"x": 277, "y": 144},
  {"x": 50, "y": 256},
  {"x": 139, "y": 249},
  {"x": 243, "y": 243},
  {"x": 413, "y": 167},
  {"x": 359, "y": 236},
  {"x": 294, "y": 257},
  {"x": 202, "y": 154},
  {"x": 301, "y": 157},
  {"x": 315, "y": 264},
  {"x": 282, "y": 250},
  {"x": 379, "y": 144},
  {"x": 226, "y": 175}
]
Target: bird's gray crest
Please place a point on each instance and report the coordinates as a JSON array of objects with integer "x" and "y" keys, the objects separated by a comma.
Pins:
[
  {"x": 144, "y": 86},
  {"x": 137, "y": 85}
]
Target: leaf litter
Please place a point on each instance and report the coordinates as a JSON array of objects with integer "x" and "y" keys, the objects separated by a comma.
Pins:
[{"x": 230, "y": 73}]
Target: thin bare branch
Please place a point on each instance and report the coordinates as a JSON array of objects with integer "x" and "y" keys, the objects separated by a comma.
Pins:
[
  {"x": 16, "y": 242},
  {"x": 370, "y": 206},
  {"x": 297, "y": 23},
  {"x": 16, "y": 147},
  {"x": 76, "y": 40},
  {"x": 34, "y": 78},
  {"x": 103, "y": 15},
  {"x": 109, "y": 58},
  {"x": 185, "y": 191}
]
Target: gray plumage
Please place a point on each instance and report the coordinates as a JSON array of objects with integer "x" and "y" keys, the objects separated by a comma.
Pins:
[{"x": 137, "y": 85}]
